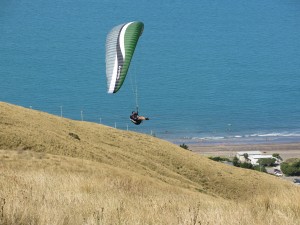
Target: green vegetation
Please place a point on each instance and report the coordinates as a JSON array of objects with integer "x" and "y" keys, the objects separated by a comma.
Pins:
[
  {"x": 184, "y": 146},
  {"x": 246, "y": 156},
  {"x": 219, "y": 159},
  {"x": 74, "y": 136},
  {"x": 292, "y": 160},
  {"x": 246, "y": 165},
  {"x": 267, "y": 162},
  {"x": 277, "y": 156},
  {"x": 291, "y": 167},
  {"x": 260, "y": 168}
]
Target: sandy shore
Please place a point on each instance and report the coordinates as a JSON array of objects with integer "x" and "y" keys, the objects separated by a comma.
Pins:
[{"x": 286, "y": 151}]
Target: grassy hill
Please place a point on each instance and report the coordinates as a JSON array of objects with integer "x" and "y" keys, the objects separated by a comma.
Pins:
[{"x": 60, "y": 171}]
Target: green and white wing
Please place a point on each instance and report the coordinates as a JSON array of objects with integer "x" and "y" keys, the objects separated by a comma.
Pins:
[{"x": 120, "y": 45}]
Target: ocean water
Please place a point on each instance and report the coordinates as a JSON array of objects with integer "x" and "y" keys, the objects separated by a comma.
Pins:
[{"x": 206, "y": 71}]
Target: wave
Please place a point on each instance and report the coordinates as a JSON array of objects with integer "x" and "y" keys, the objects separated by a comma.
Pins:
[
  {"x": 284, "y": 134},
  {"x": 258, "y": 137},
  {"x": 208, "y": 138}
]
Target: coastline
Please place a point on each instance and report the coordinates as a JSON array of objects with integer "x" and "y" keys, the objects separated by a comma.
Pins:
[{"x": 285, "y": 150}]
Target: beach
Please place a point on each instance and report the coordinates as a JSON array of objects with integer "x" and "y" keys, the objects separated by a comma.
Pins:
[{"x": 285, "y": 150}]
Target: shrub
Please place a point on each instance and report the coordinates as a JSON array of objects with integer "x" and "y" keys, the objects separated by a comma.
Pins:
[
  {"x": 219, "y": 159},
  {"x": 235, "y": 161},
  {"x": 267, "y": 162},
  {"x": 260, "y": 168},
  {"x": 75, "y": 136},
  {"x": 291, "y": 168},
  {"x": 184, "y": 146},
  {"x": 246, "y": 165}
]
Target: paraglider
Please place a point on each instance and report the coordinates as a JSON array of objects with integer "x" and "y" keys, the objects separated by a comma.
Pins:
[
  {"x": 121, "y": 42},
  {"x": 120, "y": 45},
  {"x": 136, "y": 119}
]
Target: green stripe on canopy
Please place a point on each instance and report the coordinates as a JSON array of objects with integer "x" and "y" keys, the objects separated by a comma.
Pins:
[{"x": 120, "y": 45}]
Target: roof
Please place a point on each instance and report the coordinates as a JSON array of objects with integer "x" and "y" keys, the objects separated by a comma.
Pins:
[
  {"x": 250, "y": 153},
  {"x": 261, "y": 156}
]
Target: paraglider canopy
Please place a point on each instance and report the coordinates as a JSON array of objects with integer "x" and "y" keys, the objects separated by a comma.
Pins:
[{"x": 120, "y": 45}]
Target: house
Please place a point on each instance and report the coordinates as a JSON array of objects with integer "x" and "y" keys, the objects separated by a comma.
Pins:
[
  {"x": 241, "y": 155},
  {"x": 252, "y": 157}
]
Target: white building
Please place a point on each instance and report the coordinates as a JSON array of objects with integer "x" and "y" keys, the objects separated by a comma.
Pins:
[
  {"x": 252, "y": 156},
  {"x": 241, "y": 155}
]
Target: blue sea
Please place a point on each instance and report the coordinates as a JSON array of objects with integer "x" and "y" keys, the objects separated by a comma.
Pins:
[{"x": 208, "y": 71}]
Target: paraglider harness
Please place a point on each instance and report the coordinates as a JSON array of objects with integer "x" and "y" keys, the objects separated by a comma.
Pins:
[{"x": 134, "y": 118}]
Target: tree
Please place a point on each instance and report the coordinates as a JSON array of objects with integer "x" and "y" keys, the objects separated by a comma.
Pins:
[
  {"x": 291, "y": 168},
  {"x": 277, "y": 156},
  {"x": 267, "y": 162},
  {"x": 235, "y": 161},
  {"x": 246, "y": 165}
]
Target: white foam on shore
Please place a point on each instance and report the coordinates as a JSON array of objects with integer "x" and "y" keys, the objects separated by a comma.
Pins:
[
  {"x": 284, "y": 134},
  {"x": 259, "y": 137}
]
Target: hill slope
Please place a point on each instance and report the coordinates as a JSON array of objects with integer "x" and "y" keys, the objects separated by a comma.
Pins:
[
  {"x": 25, "y": 129},
  {"x": 133, "y": 160}
]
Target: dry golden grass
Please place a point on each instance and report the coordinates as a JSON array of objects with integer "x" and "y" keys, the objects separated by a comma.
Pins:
[{"x": 48, "y": 176}]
